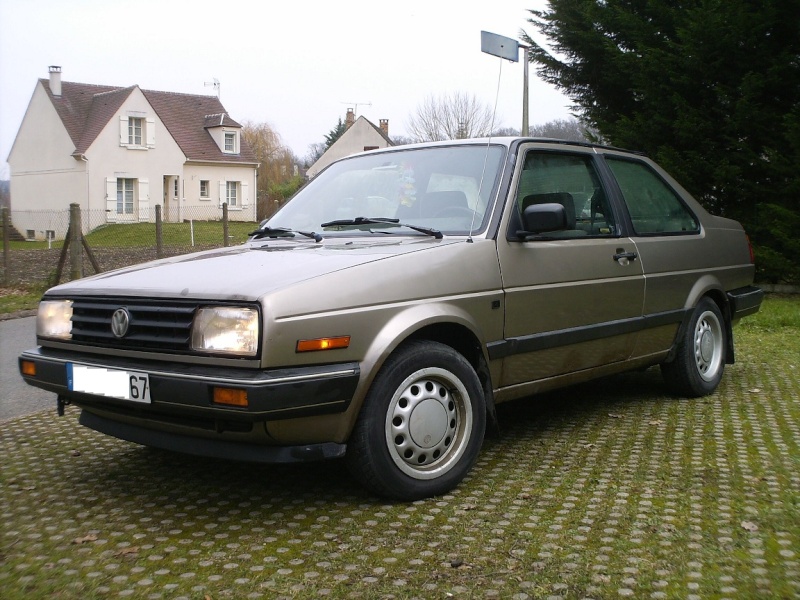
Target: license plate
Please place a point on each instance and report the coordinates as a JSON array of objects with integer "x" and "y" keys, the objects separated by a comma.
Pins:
[{"x": 112, "y": 383}]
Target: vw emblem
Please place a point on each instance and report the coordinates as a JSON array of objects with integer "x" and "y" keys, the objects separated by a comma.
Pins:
[{"x": 120, "y": 321}]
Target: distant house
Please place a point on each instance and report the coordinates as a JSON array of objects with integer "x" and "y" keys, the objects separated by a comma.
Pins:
[
  {"x": 359, "y": 136},
  {"x": 121, "y": 151}
]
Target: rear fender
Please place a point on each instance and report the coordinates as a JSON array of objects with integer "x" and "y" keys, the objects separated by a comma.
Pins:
[{"x": 710, "y": 286}]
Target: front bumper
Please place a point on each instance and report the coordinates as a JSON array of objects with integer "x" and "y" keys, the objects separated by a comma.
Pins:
[
  {"x": 183, "y": 393},
  {"x": 213, "y": 448}
]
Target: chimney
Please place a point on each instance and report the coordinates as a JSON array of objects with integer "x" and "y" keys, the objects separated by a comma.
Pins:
[
  {"x": 384, "y": 124},
  {"x": 349, "y": 119},
  {"x": 55, "y": 80}
]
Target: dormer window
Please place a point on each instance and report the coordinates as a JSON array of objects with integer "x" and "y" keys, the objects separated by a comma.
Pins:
[
  {"x": 135, "y": 127},
  {"x": 231, "y": 142}
]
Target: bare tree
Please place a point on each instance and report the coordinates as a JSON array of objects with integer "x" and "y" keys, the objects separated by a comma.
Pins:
[
  {"x": 450, "y": 117},
  {"x": 315, "y": 150},
  {"x": 564, "y": 129},
  {"x": 276, "y": 164}
]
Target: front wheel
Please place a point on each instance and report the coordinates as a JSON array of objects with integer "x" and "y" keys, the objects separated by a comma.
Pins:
[
  {"x": 700, "y": 359},
  {"x": 422, "y": 423}
]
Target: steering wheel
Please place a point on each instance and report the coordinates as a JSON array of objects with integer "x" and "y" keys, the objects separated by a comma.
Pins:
[{"x": 455, "y": 211}]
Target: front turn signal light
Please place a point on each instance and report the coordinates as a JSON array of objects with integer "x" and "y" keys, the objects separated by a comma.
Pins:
[
  {"x": 28, "y": 368},
  {"x": 327, "y": 343},
  {"x": 230, "y": 397}
]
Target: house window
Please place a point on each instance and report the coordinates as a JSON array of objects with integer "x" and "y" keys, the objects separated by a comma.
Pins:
[
  {"x": 204, "y": 188},
  {"x": 230, "y": 142},
  {"x": 135, "y": 125},
  {"x": 231, "y": 192},
  {"x": 176, "y": 188},
  {"x": 125, "y": 189}
]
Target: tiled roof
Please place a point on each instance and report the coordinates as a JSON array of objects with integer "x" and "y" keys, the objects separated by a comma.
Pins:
[
  {"x": 85, "y": 109},
  {"x": 184, "y": 115}
]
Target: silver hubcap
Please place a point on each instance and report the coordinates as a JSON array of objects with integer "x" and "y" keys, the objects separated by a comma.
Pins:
[
  {"x": 428, "y": 423},
  {"x": 708, "y": 345}
]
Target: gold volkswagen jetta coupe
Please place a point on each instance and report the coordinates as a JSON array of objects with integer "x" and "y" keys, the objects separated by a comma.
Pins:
[{"x": 384, "y": 311}]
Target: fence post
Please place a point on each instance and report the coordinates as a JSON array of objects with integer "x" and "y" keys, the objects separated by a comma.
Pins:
[
  {"x": 6, "y": 248},
  {"x": 225, "y": 223},
  {"x": 75, "y": 249},
  {"x": 159, "y": 234}
]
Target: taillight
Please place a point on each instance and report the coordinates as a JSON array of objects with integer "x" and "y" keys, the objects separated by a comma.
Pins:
[{"x": 752, "y": 254}]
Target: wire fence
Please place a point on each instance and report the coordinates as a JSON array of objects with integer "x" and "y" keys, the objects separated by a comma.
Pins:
[{"x": 34, "y": 241}]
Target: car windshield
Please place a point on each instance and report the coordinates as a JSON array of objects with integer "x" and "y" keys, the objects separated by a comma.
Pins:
[{"x": 441, "y": 188}]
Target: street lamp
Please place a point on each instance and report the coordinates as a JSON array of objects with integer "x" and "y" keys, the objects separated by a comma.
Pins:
[{"x": 508, "y": 48}]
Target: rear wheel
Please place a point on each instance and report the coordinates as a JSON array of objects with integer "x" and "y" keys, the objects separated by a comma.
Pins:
[
  {"x": 422, "y": 423},
  {"x": 700, "y": 360}
]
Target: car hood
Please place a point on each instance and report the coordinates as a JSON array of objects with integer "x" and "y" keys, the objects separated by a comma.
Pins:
[{"x": 244, "y": 272}]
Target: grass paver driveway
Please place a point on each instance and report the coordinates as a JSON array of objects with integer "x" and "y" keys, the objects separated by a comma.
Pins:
[{"x": 607, "y": 490}]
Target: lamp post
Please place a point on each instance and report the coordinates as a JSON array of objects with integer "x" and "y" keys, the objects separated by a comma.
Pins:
[{"x": 508, "y": 48}]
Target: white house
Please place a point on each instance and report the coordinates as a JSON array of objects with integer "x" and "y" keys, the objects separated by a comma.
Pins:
[
  {"x": 120, "y": 151},
  {"x": 360, "y": 135}
]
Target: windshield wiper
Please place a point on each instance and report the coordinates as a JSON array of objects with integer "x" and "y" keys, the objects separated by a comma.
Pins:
[
  {"x": 359, "y": 221},
  {"x": 276, "y": 232}
]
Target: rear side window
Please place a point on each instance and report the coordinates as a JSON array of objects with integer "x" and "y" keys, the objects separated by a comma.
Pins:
[{"x": 655, "y": 208}]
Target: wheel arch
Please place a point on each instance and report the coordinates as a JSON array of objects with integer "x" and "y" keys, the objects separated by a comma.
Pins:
[
  {"x": 708, "y": 287},
  {"x": 448, "y": 327},
  {"x": 465, "y": 342}
]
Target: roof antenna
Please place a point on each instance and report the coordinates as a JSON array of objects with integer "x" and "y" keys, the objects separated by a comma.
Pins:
[
  {"x": 355, "y": 105},
  {"x": 215, "y": 84}
]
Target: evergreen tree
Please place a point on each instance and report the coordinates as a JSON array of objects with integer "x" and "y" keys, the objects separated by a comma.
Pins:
[
  {"x": 335, "y": 134},
  {"x": 708, "y": 88}
]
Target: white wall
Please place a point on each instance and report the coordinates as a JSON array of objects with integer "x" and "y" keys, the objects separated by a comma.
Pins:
[
  {"x": 361, "y": 134},
  {"x": 44, "y": 175}
]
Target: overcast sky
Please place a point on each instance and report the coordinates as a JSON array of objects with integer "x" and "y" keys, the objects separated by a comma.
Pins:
[{"x": 297, "y": 65}]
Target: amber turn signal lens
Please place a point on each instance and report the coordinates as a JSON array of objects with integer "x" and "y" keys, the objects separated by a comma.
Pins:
[
  {"x": 28, "y": 368},
  {"x": 331, "y": 343},
  {"x": 231, "y": 397}
]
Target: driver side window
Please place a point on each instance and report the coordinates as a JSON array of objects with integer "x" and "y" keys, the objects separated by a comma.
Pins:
[{"x": 569, "y": 180}]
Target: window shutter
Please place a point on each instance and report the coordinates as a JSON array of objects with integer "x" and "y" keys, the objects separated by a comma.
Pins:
[
  {"x": 151, "y": 132},
  {"x": 221, "y": 193},
  {"x": 245, "y": 194},
  {"x": 111, "y": 199},
  {"x": 123, "y": 130},
  {"x": 144, "y": 199}
]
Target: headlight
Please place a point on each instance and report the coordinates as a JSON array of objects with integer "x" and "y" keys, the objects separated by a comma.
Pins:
[
  {"x": 54, "y": 319},
  {"x": 226, "y": 330}
]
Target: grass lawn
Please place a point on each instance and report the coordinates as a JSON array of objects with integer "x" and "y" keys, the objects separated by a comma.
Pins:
[{"x": 144, "y": 234}]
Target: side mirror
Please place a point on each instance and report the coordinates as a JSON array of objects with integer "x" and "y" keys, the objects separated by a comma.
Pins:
[{"x": 541, "y": 218}]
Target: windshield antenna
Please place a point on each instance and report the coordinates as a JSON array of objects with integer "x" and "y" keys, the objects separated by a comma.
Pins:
[{"x": 486, "y": 155}]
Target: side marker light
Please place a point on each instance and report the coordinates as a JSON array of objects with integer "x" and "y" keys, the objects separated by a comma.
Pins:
[{"x": 328, "y": 343}]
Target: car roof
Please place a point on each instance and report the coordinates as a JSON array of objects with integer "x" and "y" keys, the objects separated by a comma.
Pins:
[{"x": 507, "y": 141}]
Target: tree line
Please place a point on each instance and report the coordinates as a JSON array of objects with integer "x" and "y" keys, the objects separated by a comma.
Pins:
[{"x": 710, "y": 89}]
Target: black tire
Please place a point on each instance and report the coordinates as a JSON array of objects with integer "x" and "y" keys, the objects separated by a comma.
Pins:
[
  {"x": 700, "y": 359},
  {"x": 421, "y": 426}
]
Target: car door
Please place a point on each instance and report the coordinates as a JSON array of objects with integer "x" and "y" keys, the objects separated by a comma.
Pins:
[
  {"x": 670, "y": 245},
  {"x": 573, "y": 298}
]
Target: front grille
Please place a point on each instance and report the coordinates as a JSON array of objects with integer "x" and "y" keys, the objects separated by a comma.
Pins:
[{"x": 156, "y": 326}]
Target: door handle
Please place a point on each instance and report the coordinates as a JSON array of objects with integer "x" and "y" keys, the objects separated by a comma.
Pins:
[{"x": 621, "y": 254}]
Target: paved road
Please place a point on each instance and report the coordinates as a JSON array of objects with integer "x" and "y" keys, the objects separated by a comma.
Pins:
[{"x": 16, "y": 397}]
